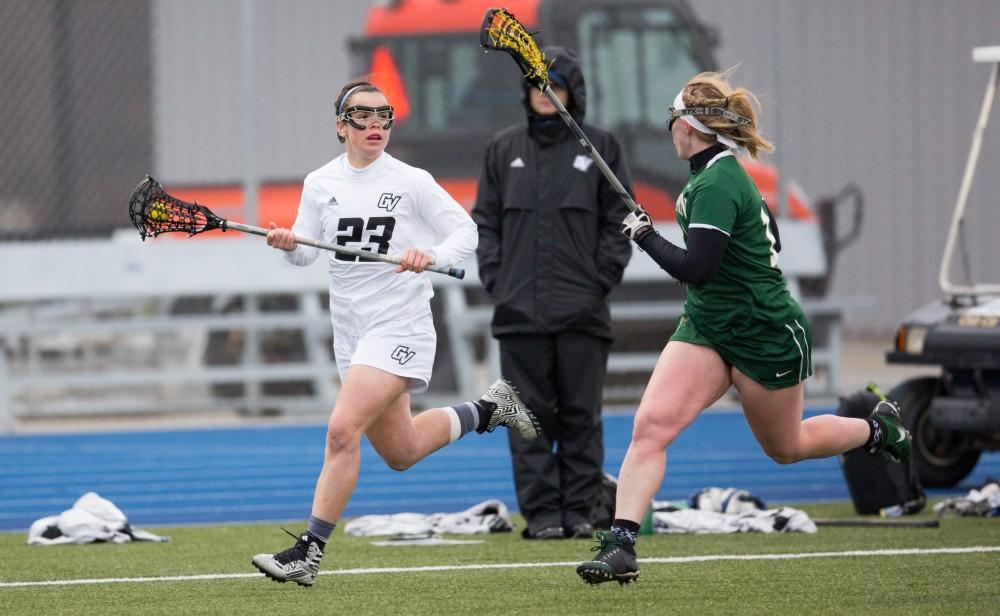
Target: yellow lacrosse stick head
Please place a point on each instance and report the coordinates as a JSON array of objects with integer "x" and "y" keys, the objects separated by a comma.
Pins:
[{"x": 502, "y": 31}]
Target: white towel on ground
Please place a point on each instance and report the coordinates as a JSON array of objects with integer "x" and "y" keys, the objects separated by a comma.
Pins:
[
  {"x": 489, "y": 516},
  {"x": 984, "y": 502},
  {"x": 780, "y": 520},
  {"x": 728, "y": 510},
  {"x": 91, "y": 519}
]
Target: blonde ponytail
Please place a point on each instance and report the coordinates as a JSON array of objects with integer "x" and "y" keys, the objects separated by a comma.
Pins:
[{"x": 713, "y": 90}]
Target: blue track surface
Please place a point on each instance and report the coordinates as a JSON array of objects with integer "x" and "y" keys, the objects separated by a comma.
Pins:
[{"x": 268, "y": 473}]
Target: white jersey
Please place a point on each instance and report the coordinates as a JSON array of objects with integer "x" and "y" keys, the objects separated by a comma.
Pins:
[{"x": 387, "y": 207}]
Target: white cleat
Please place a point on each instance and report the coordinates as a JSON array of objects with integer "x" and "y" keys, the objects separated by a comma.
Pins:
[
  {"x": 299, "y": 563},
  {"x": 510, "y": 411}
]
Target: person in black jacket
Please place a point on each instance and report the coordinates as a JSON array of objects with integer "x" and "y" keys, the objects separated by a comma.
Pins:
[{"x": 549, "y": 253}]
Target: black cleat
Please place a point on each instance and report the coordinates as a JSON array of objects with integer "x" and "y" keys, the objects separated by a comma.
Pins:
[
  {"x": 615, "y": 561},
  {"x": 549, "y": 532}
]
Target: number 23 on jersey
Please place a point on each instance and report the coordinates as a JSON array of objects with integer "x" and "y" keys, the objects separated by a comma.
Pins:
[{"x": 374, "y": 234}]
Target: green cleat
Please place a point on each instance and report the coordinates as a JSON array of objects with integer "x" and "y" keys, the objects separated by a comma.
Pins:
[
  {"x": 894, "y": 440},
  {"x": 615, "y": 562}
]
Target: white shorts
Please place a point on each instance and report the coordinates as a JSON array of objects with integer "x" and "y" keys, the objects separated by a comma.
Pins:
[{"x": 404, "y": 348}]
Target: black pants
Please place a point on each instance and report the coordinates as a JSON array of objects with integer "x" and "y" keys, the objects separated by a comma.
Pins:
[{"x": 561, "y": 378}]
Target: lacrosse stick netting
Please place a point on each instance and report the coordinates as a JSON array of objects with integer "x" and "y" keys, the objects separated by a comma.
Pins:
[
  {"x": 153, "y": 212},
  {"x": 501, "y": 31}
]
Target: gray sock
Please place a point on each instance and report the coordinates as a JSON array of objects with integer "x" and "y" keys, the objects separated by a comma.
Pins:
[
  {"x": 468, "y": 416},
  {"x": 320, "y": 529}
]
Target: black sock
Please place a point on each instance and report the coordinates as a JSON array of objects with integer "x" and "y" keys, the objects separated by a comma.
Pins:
[
  {"x": 485, "y": 410},
  {"x": 314, "y": 538},
  {"x": 875, "y": 434},
  {"x": 626, "y": 531}
]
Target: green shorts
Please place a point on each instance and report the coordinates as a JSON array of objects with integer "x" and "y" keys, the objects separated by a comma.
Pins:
[{"x": 774, "y": 355}]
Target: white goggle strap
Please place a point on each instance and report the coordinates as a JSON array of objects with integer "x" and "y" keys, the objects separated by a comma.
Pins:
[{"x": 700, "y": 127}]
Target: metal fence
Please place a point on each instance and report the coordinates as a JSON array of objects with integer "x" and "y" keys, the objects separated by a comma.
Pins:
[{"x": 74, "y": 118}]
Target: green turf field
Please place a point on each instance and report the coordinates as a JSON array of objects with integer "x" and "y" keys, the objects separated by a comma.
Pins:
[{"x": 536, "y": 577}]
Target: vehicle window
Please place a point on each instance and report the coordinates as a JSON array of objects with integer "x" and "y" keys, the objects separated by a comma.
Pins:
[
  {"x": 453, "y": 86},
  {"x": 635, "y": 61}
]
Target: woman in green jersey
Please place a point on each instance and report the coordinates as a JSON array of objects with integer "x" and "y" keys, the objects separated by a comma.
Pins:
[{"x": 740, "y": 326}]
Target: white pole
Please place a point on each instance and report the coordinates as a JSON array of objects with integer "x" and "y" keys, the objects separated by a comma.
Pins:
[
  {"x": 777, "y": 118},
  {"x": 251, "y": 181},
  {"x": 6, "y": 410},
  {"x": 963, "y": 192}
]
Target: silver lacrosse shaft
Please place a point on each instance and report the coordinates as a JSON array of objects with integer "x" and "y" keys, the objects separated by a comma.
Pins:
[
  {"x": 587, "y": 145},
  {"x": 454, "y": 272}
]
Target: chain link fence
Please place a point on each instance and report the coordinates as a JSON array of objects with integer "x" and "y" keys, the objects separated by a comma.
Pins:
[{"x": 75, "y": 118}]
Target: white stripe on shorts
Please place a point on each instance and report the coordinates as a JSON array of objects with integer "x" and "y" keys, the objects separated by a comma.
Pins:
[
  {"x": 802, "y": 357},
  {"x": 805, "y": 341}
]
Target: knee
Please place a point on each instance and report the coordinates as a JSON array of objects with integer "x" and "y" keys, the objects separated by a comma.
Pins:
[
  {"x": 340, "y": 440},
  {"x": 783, "y": 453},
  {"x": 650, "y": 435}
]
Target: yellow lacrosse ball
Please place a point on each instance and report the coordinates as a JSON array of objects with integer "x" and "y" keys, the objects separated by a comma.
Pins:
[{"x": 159, "y": 211}]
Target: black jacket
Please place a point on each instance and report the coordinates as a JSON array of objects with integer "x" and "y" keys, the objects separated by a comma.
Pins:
[{"x": 550, "y": 248}]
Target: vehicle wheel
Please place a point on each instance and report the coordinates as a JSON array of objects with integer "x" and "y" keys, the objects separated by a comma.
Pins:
[{"x": 942, "y": 458}]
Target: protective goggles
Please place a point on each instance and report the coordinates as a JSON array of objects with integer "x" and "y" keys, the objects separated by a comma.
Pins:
[
  {"x": 673, "y": 113},
  {"x": 361, "y": 116}
]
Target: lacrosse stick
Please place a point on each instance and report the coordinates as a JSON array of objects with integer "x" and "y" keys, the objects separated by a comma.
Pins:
[
  {"x": 894, "y": 523},
  {"x": 153, "y": 212},
  {"x": 503, "y": 32}
]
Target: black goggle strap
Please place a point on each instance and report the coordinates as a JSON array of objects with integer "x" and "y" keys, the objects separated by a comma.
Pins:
[
  {"x": 345, "y": 115},
  {"x": 706, "y": 111}
]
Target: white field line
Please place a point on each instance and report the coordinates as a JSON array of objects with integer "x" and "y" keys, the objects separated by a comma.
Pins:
[{"x": 670, "y": 561}]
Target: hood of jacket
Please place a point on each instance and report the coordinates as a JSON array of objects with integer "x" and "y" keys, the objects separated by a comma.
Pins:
[{"x": 564, "y": 69}]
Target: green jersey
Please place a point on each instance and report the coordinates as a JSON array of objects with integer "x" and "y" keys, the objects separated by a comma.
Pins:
[{"x": 747, "y": 297}]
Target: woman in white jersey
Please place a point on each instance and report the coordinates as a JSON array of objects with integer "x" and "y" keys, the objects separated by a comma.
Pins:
[{"x": 384, "y": 337}]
